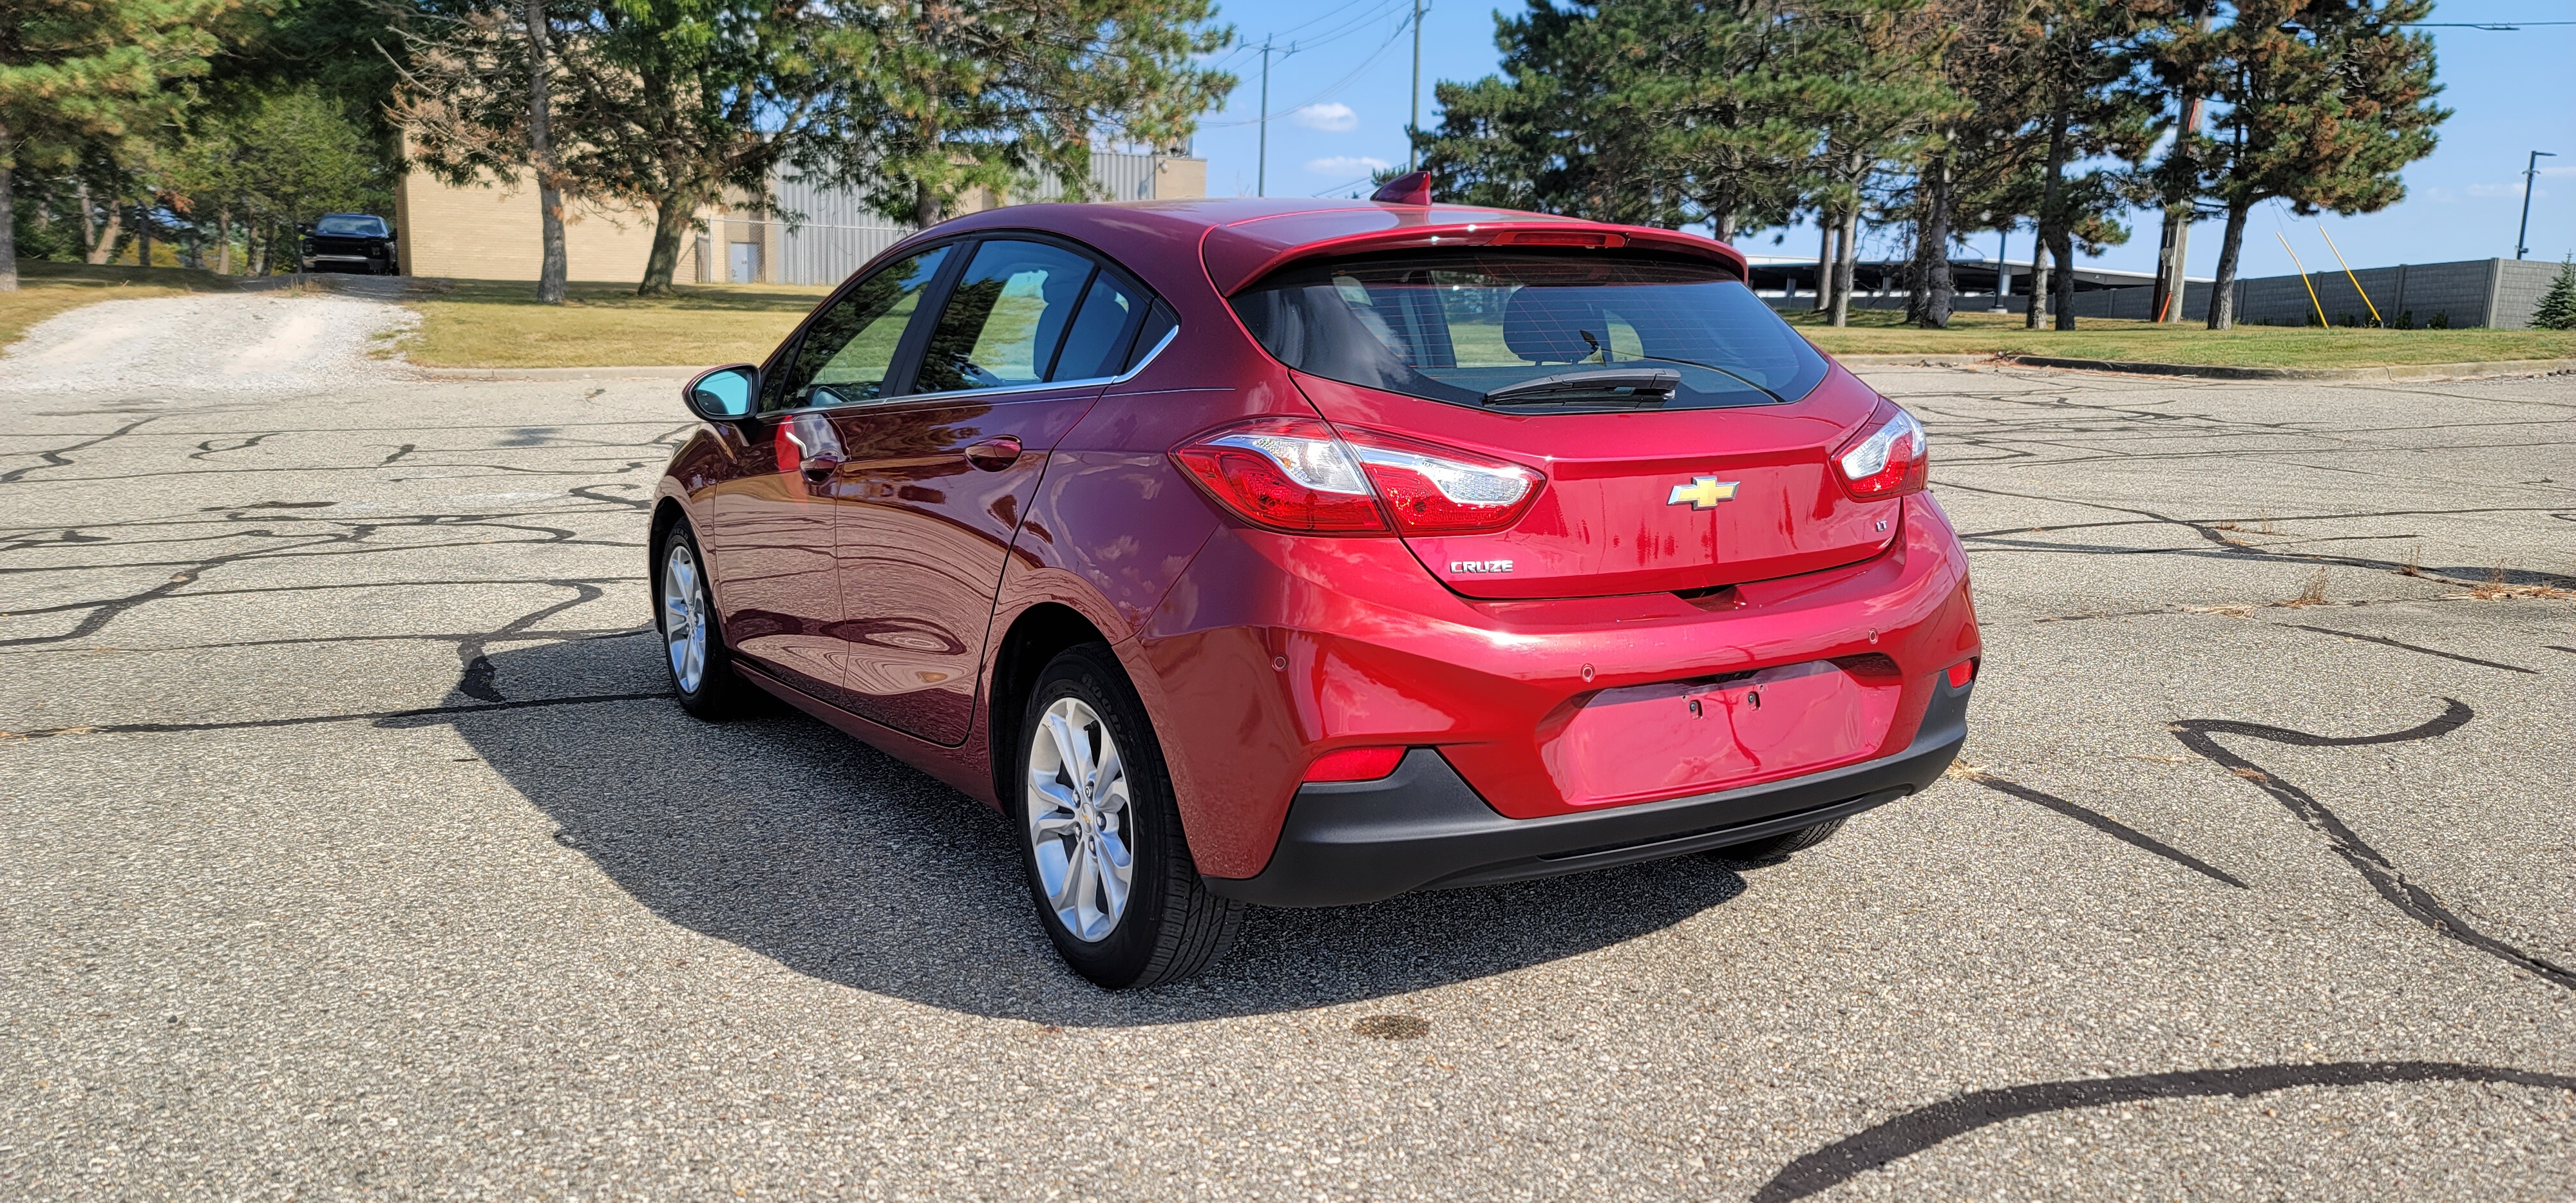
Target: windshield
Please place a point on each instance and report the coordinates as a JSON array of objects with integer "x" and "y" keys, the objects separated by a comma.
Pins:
[
  {"x": 365, "y": 227},
  {"x": 1460, "y": 326}
]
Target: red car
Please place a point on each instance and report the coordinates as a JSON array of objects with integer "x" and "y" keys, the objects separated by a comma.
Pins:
[{"x": 1304, "y": 553}]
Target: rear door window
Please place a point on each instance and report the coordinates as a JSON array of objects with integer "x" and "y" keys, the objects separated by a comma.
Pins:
[
  {"x": 1467, "y": 326},
  {"x": 1006, "y": 319}
]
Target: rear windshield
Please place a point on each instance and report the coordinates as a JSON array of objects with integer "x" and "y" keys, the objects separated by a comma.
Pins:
[
  {"x": 1469, "y": 326},
  {"x": 368, "y": 227}
]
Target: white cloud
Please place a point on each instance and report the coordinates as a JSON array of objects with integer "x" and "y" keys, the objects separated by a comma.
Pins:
[
  {"x": 2512, "y": 191},
  {"x": 1332, "y": 116},
  {"x": 1347, "y": 165}
]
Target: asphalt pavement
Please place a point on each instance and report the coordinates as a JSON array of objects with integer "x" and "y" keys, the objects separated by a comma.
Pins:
[{"x": 350, "y": 845}]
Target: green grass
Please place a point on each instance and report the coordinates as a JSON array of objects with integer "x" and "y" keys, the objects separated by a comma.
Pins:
[
  {"x": 468, "y": 323},
  {"x": 46, "y": 289},
  {"x": 1883, "y": 332},
  {"x": 499, "y": 324}
]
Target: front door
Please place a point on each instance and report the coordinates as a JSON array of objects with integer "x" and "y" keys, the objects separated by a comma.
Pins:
[
  {"x": 934, "y": 482},
  {"x": 772, "y": 530},
  {"x": 769, "y": 532}
]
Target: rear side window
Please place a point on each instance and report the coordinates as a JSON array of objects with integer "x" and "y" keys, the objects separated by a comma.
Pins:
[
  {"x": 1005, "y": 318},
  {"x": 1096, "y": 342},
  {"x": 1467, "y": 326}
]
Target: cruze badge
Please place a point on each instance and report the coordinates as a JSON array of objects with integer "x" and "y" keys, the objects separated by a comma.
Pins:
[
  {"x": 1480, "y": 565},
  {"x": 1703, "y": 493}
]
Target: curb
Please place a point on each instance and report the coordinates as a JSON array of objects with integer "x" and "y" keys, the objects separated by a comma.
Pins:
[
  {"x": 632, "y": 372},
  {"x": 2395, "y": 373},
  {"x": 1914, "y": 361}
]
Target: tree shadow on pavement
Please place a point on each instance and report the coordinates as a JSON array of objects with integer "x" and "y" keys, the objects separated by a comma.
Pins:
[{"x": 791, "y": 840}]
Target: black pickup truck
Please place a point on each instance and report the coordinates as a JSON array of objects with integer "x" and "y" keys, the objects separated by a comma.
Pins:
[{"x": 350, "y": 242}]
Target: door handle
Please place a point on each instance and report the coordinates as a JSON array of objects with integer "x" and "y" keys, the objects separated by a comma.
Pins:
[
  {"x": 817, "y": 467},
  {"x": 994, "y": 454}
]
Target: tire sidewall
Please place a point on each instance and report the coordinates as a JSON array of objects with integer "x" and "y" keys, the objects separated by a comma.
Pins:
[{"x": 1092, "y": 675}]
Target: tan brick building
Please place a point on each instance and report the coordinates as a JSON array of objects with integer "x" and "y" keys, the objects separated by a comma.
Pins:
[{"x": 489, "y": 231}]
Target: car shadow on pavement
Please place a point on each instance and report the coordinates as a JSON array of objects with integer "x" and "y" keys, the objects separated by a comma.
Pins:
[{"x": 791, "y": 840}]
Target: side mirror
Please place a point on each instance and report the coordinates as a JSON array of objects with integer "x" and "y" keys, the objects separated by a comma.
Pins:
[{"x": 723, "y": 394}]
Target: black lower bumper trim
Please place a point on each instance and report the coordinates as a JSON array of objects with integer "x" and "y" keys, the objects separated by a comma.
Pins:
[{"x": 1424, "y": 826}]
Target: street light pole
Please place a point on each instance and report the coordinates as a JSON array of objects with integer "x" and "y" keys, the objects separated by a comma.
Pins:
[{"x": 2530, "y": 168}]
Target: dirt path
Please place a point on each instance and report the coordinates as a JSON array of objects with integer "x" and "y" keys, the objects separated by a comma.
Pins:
[{"x": 266, "y": 343}]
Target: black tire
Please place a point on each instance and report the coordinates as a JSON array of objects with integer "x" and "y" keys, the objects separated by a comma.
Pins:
[
  {"x": 1772, "y": 847},
  {"x": 1172, "y": 926},
  {"x": 719, "y": 694}
]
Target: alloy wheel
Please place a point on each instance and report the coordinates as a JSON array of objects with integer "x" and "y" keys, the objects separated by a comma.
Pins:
[
  {"x": 1078, "y": 818},
  {"x": 684, "y": 617}
]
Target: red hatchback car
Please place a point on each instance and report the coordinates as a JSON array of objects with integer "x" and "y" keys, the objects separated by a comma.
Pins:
[{"x": 1303, "y": 553}]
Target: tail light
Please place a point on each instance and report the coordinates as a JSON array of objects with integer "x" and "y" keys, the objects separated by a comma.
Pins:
[
  {"x": 1297, "y": 474},
  {"x": 1887, "y": 458}
]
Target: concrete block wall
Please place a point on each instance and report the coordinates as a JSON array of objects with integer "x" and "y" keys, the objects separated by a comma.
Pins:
[
  {"x": 2517, "y": 291},
  {"x": 2496, "y": 293}
]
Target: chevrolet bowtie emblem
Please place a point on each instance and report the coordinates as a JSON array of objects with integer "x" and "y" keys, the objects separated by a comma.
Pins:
[{"x": 1703, "y": 493}]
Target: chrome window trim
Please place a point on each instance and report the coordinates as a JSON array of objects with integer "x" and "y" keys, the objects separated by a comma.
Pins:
[{"x": 1006, "y": 390}]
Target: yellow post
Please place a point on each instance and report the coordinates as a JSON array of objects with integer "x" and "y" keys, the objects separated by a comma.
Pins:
[
  {"x": 2356, "y": 280},
  {"x": 2303, "y": 278}
]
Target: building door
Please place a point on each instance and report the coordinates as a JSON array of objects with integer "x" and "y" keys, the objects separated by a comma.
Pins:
[{"x": 745, "y": 264}]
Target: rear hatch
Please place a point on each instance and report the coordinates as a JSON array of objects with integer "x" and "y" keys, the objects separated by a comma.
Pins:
[{"x": 1685, "y": 431}]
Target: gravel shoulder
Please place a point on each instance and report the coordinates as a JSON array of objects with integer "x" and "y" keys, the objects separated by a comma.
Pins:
[{"x": 208, "y": 343}]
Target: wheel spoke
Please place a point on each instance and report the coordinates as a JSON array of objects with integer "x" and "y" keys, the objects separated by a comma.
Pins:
[
  {"x": 1071, "y": 747},
  {"x": 1109, "y": 773},
  {"x": 1055, "y": 872},
  {"x": 1056, "y": 826},
  {"x": 1117, "y": 869},
  {"x": 1085, "y": 888},
  {"x": 1059, "y": 796}
]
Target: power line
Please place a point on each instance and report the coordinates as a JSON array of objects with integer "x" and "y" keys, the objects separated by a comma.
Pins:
[{"x": 1336, "y": 86}]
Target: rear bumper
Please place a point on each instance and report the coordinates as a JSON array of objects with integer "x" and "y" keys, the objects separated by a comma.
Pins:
[{"x": 1423, "y": 827}]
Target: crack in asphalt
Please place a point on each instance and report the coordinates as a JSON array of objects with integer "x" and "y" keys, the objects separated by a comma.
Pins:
[
  {"x": 1914, "y": 1131},
  {"x": 2103, "y": 823},
  {"x": 2410, "y": 899}
]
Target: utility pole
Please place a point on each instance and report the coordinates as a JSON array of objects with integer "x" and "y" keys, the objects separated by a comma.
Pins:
[
  {"x": 2168, "y": 296},
  {"x": 1261, "y": 173},
  {"x": 2531, "y": 167},
  {"x": 1412, "y": 156}
]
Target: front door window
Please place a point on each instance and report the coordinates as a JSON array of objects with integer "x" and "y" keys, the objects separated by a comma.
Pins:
[{"x": 850, "y": 348}]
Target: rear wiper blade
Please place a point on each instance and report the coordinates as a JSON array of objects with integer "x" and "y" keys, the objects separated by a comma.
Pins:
[
  {"x": 1730, "y": 373},
  {"x": 1644, "y": 386}
]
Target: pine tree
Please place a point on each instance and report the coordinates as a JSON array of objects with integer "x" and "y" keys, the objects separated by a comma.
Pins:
[
  {"x": 78, "y": 73},
  {"x": 2557, "y": 309},
  {"x": 2326, "y": 101}
]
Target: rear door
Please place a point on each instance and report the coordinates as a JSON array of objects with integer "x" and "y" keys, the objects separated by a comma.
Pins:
[{"x": 935, "y": 478}]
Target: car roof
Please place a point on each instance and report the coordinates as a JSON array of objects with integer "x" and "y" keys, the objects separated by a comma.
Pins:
[{"x": 1242, "y": 239}]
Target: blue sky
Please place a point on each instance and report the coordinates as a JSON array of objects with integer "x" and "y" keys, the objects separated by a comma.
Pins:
[{"x": 1338, "y": 109}]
